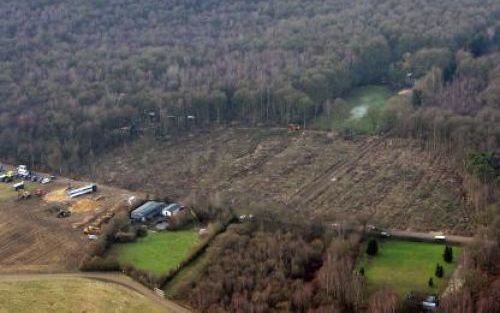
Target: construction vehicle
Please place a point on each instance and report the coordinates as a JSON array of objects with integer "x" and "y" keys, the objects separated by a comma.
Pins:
[
  {"x": 18, "y": 186},
  {"x": 7, "y": 177},
  {"x": 40, "y": 192},
  {"x": 23, "y": 195},
  {"x": 63, "y": 213},
  {"x": 92, "y": 230},
  {"x": 47, "y": 180},
  {"x": 107, "y": 217},
  {"x": 95, "y": 227},
  {"x": 294, "y": 127}
]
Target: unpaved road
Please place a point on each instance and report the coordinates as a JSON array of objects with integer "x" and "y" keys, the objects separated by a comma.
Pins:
[
  {"x": 113, "y": 278},
  {"x": 410, "y": 235}
]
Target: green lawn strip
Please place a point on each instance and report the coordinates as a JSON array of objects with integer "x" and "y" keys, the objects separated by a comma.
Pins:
[
  {"x": 407, "y": 266},
  {"x": 158, "y": 252},
  {"x": 186, "y": 276},
  {"x": 7, "y": 192},
  {"x": 366, "y": 96}
]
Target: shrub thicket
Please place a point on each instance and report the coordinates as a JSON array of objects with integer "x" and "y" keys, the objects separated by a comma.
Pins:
[
  {"x": 372, "y": 248},
  {"x": 439, "y": 271},
  {"x": 448, "y": 254}
]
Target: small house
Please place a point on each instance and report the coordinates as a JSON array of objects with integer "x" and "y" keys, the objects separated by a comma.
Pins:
[
  {"x": 172, "y": 209},
  {"x": 148, "y": 211}
]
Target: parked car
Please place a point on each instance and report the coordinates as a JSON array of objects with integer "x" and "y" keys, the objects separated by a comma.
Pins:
[
  {"x": 430, "y": 303},
  {"x": 385, "y": 234},
  {"x": 440, "y": 238}
]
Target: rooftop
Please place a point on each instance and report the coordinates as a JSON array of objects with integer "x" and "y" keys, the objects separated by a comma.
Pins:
[{"x": 147, "y": 208}]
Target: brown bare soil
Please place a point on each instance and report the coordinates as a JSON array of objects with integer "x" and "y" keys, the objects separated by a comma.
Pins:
[
  {"x": 58, "y": 195},
  {"x": 84, "y": 205},
  {"x": 396, "y": 182},
  {"x": 33, "y": 239}
]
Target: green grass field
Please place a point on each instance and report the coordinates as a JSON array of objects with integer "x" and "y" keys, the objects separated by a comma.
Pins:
[
  {"x": 187, "y": 275},
  {"x": 7, "y": 192},
  {"x": 158, "y": 252},
  {"x": 407, "y": 266},
  {"x": 71, "y": 295},
  {"x": 359, "y": 110}
]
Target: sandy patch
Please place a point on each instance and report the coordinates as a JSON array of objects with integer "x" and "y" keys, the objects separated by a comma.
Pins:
[
  {"x": 58, "y": 195},
  {"x": 84, "y": 205},
  {"x": 405, "y": 92},
  {"x": 359, "y": 111}
]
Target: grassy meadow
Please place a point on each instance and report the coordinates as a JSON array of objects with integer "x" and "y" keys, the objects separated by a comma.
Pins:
[
  {"x": 157, "y": 252},
  {"x": 359, "y": 110},
  {"x": 71, "y": 295},
  {"x": 7, "y": 192},
  {"x": 406, "y": 266}
]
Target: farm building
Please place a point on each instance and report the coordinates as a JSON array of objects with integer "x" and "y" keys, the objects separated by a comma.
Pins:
[{"x": 147, "y": 211}]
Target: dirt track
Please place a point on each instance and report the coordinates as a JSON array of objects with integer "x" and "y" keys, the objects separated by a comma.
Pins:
[
  {"x": 409, "y": 235},
  {"x": 113, "y": 278},
  {"x": 32, "y": 239}
]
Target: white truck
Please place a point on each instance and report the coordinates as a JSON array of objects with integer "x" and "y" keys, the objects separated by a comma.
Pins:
[
  {"x": 82, "y": 191},
  {"x": 22, "y": 170}
]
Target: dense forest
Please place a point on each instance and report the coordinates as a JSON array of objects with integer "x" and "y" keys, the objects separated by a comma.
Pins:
[
  {"x": 278, "y": 263},
  {"x": 296, "y": 267},
  {"x": 77, "y": 78}
]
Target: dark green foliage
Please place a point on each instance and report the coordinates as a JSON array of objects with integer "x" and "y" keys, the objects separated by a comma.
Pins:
[
  {"x": 448, "y": 254},
  {"x": 439, "y": 271},
  {"x": 124, "y": 237},
  {"x": 431, "y": 282},
  {"x": 484, "y": 166},
  {"x": 416, "y": 98},
  {"x": 101, "y": 264},
  {"x": 184, "y": 220},
  {"x": 362, "y": 271},
  {"x": 478, "y": 44},
  {"x": 141, "y": 231},
  {"x": 144, "y": 277},
  {"x": 249, "y": 256},
  {"x": 372, "y": 247}
]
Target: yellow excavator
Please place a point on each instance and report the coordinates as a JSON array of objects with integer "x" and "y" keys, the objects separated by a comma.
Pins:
[
  {"x": 7, "y": 177},
  {"x": 23, "y": 195}
]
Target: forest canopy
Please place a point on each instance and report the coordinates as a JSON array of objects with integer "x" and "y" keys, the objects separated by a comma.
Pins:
[{"x": 78, "y": 77}]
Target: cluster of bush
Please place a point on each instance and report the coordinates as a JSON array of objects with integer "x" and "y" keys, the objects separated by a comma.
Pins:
[
  {"x": 95, "y": 260},
  {"x": 439, "y": 272},
  {"x": 130, "y": 233},
  {"x": 271, "y": 263},
  {"x": 119, "y": 230}
]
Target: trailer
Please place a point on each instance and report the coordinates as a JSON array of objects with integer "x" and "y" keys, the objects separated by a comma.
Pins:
[
  {"x": 82, "y": 191},
  {"x": 18, "y": 186}
]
